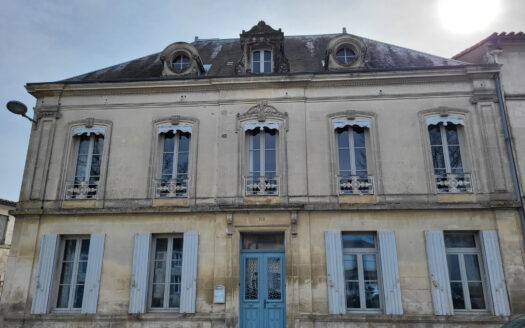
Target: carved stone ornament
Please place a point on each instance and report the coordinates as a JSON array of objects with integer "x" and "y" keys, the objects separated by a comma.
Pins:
[
  {"x": 262, "y": 37},
  {"x": 229, "y": 224},
  {"x": 293, "y": 223},
  {"x": 261, "y": 112}
]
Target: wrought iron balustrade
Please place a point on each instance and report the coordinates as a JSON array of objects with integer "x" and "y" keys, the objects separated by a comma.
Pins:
[
  {"x": 170, "y": 188},
  {"x": 81, "y": 190},
  {"x": 453, "y": 183},
  {"x": 262, "y": 186},
  {"x": 355, "y": 185}
]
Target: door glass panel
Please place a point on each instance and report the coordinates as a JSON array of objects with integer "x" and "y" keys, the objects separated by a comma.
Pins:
[
  {"x": 274, "y": 278},
  {"x": 250, "y": 292},
  {"x": 263, "y": 241},
  {"x": 353, "y": 301}
]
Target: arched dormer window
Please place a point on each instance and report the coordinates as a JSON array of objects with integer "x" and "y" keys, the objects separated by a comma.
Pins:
[
  {"x": 345, "y": 51},
  {"x": 181, "y": 58}
]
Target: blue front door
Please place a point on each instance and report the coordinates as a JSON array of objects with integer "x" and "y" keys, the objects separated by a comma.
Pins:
[{"x": 262, "y": 290}]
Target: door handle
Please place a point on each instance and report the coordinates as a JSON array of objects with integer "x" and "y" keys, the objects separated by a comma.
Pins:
[{"x": 265, "y": 303}]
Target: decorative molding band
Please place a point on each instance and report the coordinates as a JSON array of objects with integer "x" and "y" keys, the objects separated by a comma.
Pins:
[{"x": 484, "y": 98}]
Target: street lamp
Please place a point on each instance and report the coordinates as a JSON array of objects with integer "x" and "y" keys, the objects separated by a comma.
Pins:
[{"x": 18, "y": 108}]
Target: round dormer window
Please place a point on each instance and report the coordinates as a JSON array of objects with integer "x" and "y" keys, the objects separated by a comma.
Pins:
[
  {"x": 181, "y": 63},
  {"x": 345, "y": 56}
]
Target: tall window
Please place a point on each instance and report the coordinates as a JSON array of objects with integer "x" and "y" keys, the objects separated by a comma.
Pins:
[
  {"x": 353, "y": 167},
  {"x": 465, "y": 271},
  {"x": 446, "y": 154},
  {"x": 361, "y": 271},
  {"x": 261, "y": 61},
  {"x": 262, "y": 149},
  {"x": 87, "y": 168},
  {"x": 172, "y": 180},
  {"x": 166, "y": 273},
  {"x": 72, "y": 269}
]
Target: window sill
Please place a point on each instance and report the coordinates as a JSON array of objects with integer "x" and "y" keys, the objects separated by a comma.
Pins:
[
  {"x": 256, "y": 200},
  {"x": 177, "y": 202},
  {"x": 456, "y": 198},
  {"x": 358, "y": 199},
  {"x": 79, "y": 203}
]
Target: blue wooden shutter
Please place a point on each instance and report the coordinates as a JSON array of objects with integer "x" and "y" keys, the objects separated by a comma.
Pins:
[
  {"x": 46, "y": 268},
  {"x": 94, "y": 267},
  {"x": 390, "y": 272},
  {"x": 335, "y": 272},
  {"x": 139, "y": 273},
  {"x": 190, "y": 252},
  {"x": 494, "y": 272},
  {"x": 438, "y": 270}
]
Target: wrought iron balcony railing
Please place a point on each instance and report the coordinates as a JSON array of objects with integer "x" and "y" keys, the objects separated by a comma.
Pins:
[
  {"x": 81, "y": 190},
  {"x": 262, "y": 186},
  {"x": 170, "y": 188},
  {"x": 355, "y": 185},
  {"x": 453, "y": 183}
]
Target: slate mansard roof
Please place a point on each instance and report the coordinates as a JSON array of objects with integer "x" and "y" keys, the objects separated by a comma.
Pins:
[{"x": 305, "y": 54}]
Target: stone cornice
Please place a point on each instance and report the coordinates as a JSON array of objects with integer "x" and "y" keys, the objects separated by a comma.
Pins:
[{"x": 332, "y": 79}]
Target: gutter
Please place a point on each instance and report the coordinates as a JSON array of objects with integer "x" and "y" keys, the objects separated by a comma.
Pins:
[{"x": 508, "y": 142}]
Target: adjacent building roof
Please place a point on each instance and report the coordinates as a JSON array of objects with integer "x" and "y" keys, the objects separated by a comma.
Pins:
[
  {"x": 305, "y": 54},
  {"x": 493, "y": 38},
  {"x": 6, "y": 202}
]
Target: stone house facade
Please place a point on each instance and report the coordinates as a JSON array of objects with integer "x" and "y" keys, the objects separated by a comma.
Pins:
[
  {"x": 7, "y": 223},
  {"x": 269, "y": 181}
]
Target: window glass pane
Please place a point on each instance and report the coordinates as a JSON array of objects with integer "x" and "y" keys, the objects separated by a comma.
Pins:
[
  {"x": 157, "y": 296},
  {"x": 95, "y": 166},
  {"x": 169, "y": 142},
  {"x": 472, "y": 267},
  {"x": 69, "y": 249},
  {"x": 98, "y": 145},
  {"x": 455, "y": 158},
  {"x": 262, "y": 240},
  {"x": 360, "y": 159},
  {"x": 167, "y": 164},
  {"x": 457, "y": 295},
  {"x": 161, "y": 249},
  {"x": 256, "y": 67},
  {"x": 267, "y": 56},
  {"x": 453, "y": 267},
  {"x": 344, "y": 160},
  {"x": 80, "y": 173},
  {"x": 159, "y": 272},
  {"x": 359, "y": 136},
  {"x": 452, "y": 134},
  {"x": 269, "y": 139},
  {"x": 83, "y": 147},
  {"x": 372, "y": 295},
  {"x": 358, "y": 241},
  {"x": 255, "y": 163},
  {"x": 477, "y": 300},
  {"x": 184, "y": 142},
  {"x": 438, "y": 160},
  {"x": 369, "y": 267},
  {"x": 84, "y": 250},
  {"x": 274, "y": 278},
  {"x": 182, "y": 165},
  {"x": 250, "y": 292},
  {"x": 435, "y": 135},
  {"x": 353, "y": 300},
  {"x": 81, "y": 276},
  {"x": 67, "y": 273},
  {"x": 267, "y": 67},
  {"x": 256, "y": 56},
  {"x": 342, "y": 138},
  {"x": 269, "y": 161},
  {"x": 174, "y": 296},
  {"x": 350, "y": 263},
  {"x": 79, "y": 294},
  {"x": 63, "y": 296},
  {"x": 255, "y": 139},
  {"x": 461, "y": 240}
]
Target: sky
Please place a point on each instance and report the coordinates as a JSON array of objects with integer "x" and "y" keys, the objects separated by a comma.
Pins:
[{"x": 50, "y": 40}]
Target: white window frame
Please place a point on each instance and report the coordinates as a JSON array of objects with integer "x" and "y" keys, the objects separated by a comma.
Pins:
[
  {"x": 359, "y": 252},
  {"x": 444, "y": 144},
  {"x": 74, "y": 275},
  {"x": 175, "y": 151},
  {"x": 167, "y": 276},
  {"x": 464, "y": 281},
  {"x": 262, "y": 151},
  {"x": 351, "y": 149},
  {"x": 262, "y": 61}
]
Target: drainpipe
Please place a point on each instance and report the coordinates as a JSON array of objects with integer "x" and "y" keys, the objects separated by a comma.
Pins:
[{"x": 508, "y": 142}]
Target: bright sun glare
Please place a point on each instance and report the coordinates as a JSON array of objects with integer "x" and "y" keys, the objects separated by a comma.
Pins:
[{"x": 466, "y": 16}]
